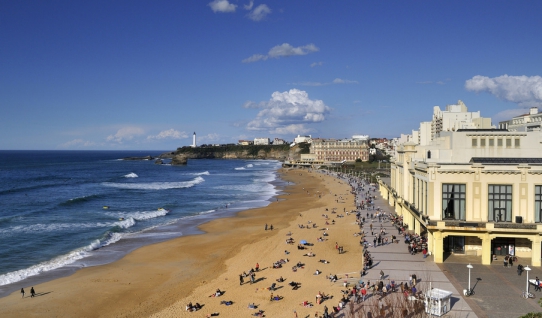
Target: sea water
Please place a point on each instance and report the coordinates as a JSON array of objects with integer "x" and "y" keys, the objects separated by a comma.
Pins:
[{"x": 70, "y": 209}]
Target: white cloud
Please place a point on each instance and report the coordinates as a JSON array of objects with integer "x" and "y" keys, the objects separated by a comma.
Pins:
[
  {"x": 77, "y": 143},
  {"x": 249, "y": 5},
  {"x": 317, "y": 64},
  {"x": 169, "y": 134},
  {"x": 526, "y": 91},
  {"x": 222, "y": 6},
  {"x": 509, "y": 113},
  {"x": 283, "y": 50},
  {"x": 335, "y": 81},
  {"x": 343, "y": 81},
  {"x": 289, "y": 112},
  {"x": 125, "y": 133},
  {"x": 286, "y": 49},
  {"x": 259, "y": 12},
  {"x": 208, "y": 138},
  {"x": 255, "y": 58}
]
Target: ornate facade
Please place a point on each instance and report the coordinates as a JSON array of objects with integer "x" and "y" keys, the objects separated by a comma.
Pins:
[{"x": 476, "y": 192}]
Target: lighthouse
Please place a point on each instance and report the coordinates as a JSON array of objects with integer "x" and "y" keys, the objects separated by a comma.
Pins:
[{"x": 194, "y": 140}]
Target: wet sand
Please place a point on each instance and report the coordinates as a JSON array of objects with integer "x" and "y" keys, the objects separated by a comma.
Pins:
[{"x": 160, "y": 279}]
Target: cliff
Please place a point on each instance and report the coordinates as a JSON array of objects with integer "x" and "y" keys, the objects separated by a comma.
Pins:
[{"x": 270, "y": 152}]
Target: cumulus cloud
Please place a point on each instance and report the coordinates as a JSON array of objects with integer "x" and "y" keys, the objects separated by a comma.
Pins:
[
  {"x": 125, "y": 133},
  {"x": 249, "y": 5},
  {"x": 289, "y": 112},
  {"x": 283, "y": 50},
  {"x": 222, "y": 6},
  {"x": 317, "y": 64},
  {"x": 169, "y": 134},
  {"x": 259, "y": 12},
  {"x": 526, "y": 91}
]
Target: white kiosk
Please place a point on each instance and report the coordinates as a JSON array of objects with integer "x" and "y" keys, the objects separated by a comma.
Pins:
[{"x": 437, "y": 302}]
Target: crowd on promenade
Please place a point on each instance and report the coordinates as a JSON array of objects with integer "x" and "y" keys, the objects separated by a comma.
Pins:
[{"x": 373, "y": 232}]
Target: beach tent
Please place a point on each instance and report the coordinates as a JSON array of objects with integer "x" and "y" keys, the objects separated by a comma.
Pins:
[
  {"x": 437, "y": 301},
  {"x": 303, "y": 242}
]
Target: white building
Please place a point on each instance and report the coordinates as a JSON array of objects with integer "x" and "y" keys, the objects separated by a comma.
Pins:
[
  {"x": 261, "y": 141},
  {"x": 525, "y": 122},
  {"x": 300, "y": 138},
  {"x": 456, "y": 117}
]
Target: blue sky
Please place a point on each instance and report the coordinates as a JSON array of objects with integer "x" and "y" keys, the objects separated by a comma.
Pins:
[{"x": 147, "y": 74}]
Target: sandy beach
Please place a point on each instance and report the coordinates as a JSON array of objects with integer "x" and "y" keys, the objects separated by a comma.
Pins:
[{"x": 159, "y": 280}]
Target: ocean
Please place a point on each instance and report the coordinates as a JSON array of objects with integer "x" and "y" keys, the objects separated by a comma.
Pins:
[{"x": 64, "y": 210}]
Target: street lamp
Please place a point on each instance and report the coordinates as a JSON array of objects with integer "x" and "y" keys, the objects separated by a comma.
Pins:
[
  {"x": 469, "y": 291},
  {"x": 527, "y": 269}
]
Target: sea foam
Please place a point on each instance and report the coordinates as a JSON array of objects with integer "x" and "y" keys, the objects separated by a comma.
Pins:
[
  {"x": 131, "y": 175},
  {"x": 155, "y": 185}
]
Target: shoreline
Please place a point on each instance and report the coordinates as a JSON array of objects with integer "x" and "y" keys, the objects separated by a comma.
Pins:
[
  {"x": 185, "y": 226},
  {"x": 157, "y": 278}
]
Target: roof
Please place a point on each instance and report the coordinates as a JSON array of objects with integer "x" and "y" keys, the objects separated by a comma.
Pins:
[
  {"x": 495, "y": 160},
  {"x": 438, "y": 293},
  {"x": 480, "y": 129}
]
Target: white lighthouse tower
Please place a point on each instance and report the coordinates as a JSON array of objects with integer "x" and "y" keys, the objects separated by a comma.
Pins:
[{"x": 193, "y": 140}]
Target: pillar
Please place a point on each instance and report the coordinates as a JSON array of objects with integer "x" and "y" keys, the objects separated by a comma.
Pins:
[
  {"x": 535, "y": 251},
  {"x": 486, "y": 249},
  {"x": 438, "y": 247}
]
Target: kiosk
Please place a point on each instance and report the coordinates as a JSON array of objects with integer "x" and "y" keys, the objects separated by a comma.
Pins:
[{"x": 437, "y": 301}]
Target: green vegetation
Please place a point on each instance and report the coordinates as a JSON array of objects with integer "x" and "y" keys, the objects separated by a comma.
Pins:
[
  {"x": 305, "y": 148},
  {"x": 532, "y": 315},
  {"x": 251, "y": 150}
]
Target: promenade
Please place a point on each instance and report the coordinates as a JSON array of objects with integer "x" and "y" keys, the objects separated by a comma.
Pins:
[
  {"x": 398, "y": 264},
  {"x": 497, "y": 292}
]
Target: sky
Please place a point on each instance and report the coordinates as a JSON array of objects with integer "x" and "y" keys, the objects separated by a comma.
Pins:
[{"x": 145, "y": 75}]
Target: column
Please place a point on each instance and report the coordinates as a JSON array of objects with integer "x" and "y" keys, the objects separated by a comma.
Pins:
[
  {"x": 535, "y": 251},
  {"x": 486, "y": 249},
  {"x": 438, "y": 248}
]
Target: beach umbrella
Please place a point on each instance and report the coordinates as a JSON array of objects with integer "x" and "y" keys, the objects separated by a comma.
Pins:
[{"x": 303, "y": 242}]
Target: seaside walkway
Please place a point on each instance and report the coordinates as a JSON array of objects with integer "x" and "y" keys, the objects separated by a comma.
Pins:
[
  {"x": 497, "y": 292},
  {"x": 398, "y": 264}
]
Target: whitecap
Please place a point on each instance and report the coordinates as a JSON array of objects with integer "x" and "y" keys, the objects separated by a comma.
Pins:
[
  {"x": 155, "y": 185},
  {"x": 131, "y": 175},
  {"x": 58, "y": 261},
  {"x": 240, "y": 168},
  {"x": 205, "y": 173}
]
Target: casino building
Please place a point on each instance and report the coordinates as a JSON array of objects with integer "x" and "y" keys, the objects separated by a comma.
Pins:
[{"x": 474, "y": 191}]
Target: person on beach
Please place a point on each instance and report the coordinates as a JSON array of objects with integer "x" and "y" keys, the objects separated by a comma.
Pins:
[
  {"x": 32, "y": 292},
  {"x": 241, "y": 280},
  {"x": 266, "y": 226},
  {"x": 22, "y": 292}
]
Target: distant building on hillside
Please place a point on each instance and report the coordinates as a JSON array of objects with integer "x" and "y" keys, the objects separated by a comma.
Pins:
[
  {"x": 261, "y": 141},
  {"x": 525, "y": 122},
  {"x": 337, "y": 150},
  {"x": 300, "y": 138},
  {"x": 279, "y": 141},
  {"x": 245, "y": 142}
]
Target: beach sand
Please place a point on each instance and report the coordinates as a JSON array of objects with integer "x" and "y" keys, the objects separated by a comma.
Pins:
[{"x": 160, "y": 279}]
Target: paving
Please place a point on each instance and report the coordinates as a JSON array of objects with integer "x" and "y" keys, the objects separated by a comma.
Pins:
[
  {"x": 497, "y": 290},
  {"x": 398, "y": 264}
]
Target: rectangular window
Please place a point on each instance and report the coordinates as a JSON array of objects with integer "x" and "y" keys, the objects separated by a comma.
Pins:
[
  {"x": 516, "y": 142},
  {"x": 500, "y": 203},
  {"x": 483, "y": 142},
  {"x": 474, "y": 142},
  {"x": 499, "y": 142},
  {"x": 491, "y": 142},
  {"x": 538, "y": 204},
  {"x": 453, "y": 201},
  {"x": 508, "y": 143}
]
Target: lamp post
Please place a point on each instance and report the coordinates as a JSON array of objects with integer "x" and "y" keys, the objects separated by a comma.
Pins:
[
  {"x": 527, "y": 269},
  {"x": 469, "y": 291}
]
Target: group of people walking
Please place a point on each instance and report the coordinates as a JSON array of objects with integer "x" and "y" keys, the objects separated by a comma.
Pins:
[{"x": 32, "y": 292}]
